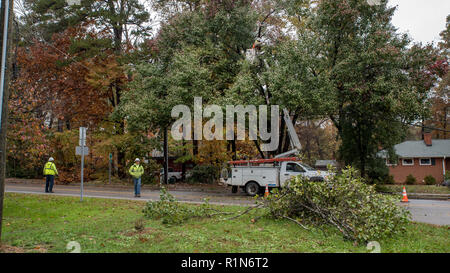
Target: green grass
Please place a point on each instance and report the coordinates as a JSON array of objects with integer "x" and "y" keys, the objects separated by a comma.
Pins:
[
  {"x": 35, "y": 223},
  {"x": 415, "y": 189}
]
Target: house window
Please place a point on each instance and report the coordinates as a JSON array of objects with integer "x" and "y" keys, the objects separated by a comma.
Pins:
[
  {"x": 425, "y": 161},
  {"x": 391, "y": 162},
  {"x": 408, "y": 162}
]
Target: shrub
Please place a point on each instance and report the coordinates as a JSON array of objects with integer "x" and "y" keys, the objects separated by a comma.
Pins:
[
  {"x": 150, "y": 169},
  {"x": 410, "y": 180},
  {"x": 345, "y": 201},
  {"x": 430, "y": 180},
  {"x": 377, "y": 170},
  {"x": 204, "y": 174},
  {"x": 447, "y": 180},
  {"x": 139, "y": 224},
  {"x": 389, "y": 180}
]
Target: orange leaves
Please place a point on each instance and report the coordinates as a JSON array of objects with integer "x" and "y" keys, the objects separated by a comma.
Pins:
[{"x": 54, "y": 80}]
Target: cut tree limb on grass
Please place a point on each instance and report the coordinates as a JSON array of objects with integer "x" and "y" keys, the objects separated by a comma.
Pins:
[
  {"x": 295, "y": 221},
  {"x": 245, "y": 211}
]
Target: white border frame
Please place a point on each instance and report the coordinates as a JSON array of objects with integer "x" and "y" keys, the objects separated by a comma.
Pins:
[
  {"x": 403, "y": 162},
  {"x": 387, "y": 163},
  {"x": 420, "y": 161}
]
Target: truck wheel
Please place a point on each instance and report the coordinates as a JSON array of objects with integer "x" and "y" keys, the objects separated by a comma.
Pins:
[
  {"x": 252, "y": 188},
  {"x": 234, "y": 189},
  {"x": 173, "y": 179}
]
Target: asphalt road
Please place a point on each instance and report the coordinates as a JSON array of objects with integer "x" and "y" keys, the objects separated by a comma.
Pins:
[
  {"x": 216, "y": 198},
  {"x": 425, "y": 211}
]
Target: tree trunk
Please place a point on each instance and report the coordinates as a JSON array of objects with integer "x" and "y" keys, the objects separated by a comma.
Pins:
[
  {"x": 261, "y": 153},
  {"x": 282, "y": 138},
  {"x": 233, "y": 149},
  {"x": 183, "y": 164},
  {"x": 166, "y": 157},
  {"x": 121, "y": 172}
]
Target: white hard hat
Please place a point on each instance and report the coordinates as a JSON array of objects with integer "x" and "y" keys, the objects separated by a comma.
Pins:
[
  {"x": 51, "y": 159},
  {"x": 137, "y": 159}
]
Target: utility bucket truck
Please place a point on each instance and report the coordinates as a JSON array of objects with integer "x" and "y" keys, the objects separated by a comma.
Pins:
[{"x": 254, "y": 175}]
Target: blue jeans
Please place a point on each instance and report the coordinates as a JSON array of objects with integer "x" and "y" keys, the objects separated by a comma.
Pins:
[
  {"x": 137, "y": 186},
  {"x": 50, "y": 179}
]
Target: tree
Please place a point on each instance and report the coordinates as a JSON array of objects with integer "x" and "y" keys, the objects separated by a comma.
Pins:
[
  {"x": 318, "y": 138},
  {"x": 125, "y": 27},
  {"x": 440, "y": 100},
  {"x": 372, "y": 76},
  {"x": 346, "y": 62},
  {"x": 53, "y": 85}
]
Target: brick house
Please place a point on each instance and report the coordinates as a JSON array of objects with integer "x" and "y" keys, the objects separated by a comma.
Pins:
[{"x": 420, "y": 158}]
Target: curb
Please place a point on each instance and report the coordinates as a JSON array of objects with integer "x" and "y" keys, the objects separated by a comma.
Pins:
[{"x": 427, "y": 196}]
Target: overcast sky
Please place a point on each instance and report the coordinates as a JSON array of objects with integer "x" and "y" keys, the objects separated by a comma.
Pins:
[{"x": 422, "y": 19}]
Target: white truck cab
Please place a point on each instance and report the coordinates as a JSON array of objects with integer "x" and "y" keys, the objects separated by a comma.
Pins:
[{"x": 254, "y": 176}]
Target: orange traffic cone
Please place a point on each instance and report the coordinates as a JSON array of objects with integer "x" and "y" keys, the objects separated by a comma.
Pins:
[
  {"x": 266, "y": 194},
  {"x": 405, "y": 196}
]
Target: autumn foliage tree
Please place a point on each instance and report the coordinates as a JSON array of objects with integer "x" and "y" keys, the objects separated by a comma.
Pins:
[
  {"x": 441, "y": 97},
  {"x": 52, "y": 93}
]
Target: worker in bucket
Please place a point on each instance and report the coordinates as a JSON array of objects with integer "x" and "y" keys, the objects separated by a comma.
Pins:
[
  {"x": 49, "y": 172},
  {"x": 136, "y": 172}
]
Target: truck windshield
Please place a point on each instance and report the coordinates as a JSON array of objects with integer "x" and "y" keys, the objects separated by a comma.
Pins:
[{"x": 308, "y": 168}]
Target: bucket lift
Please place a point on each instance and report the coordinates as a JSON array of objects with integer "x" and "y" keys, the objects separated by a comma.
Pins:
[
  {"x": 293, "y": 137},
  {"x": 295, "y": 143}
]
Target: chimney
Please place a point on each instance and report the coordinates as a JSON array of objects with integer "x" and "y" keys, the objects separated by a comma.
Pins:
[{"x": 427, "y": 139}]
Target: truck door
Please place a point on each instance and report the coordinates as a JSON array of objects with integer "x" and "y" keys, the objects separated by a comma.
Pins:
[
  {"x": 290, "y": 170},
  {"x": 236, "y": 177}
]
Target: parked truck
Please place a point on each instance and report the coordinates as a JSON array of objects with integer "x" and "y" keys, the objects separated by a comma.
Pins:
[{"x": 254, "y": 175}]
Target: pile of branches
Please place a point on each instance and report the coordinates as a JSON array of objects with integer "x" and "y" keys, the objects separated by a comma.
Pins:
[
  {"x": 344, "y": 201},
  {"x": 172, "y": 212}
]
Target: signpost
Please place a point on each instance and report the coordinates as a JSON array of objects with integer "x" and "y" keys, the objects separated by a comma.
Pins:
[
  {"x": 109, "y": 172},
  {"x": 82, "y": 150}
]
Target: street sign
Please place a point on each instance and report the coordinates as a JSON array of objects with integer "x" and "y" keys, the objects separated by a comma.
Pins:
[
  {"x": 79, "y": 151},
  {"x": 82, "y": 140},
  {"x": 110, "y": 157}
]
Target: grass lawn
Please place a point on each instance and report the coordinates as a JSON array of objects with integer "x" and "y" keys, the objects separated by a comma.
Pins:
[
  {"x": 46, "y": 223},
  {"x": 415, "y": 189}
]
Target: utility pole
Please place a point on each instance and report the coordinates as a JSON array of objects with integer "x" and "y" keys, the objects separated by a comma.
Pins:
[{"x": 5, "y": 30}]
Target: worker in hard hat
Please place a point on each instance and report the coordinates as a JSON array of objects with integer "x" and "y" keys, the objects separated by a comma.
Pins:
[
  {"x": 49, "y": 172},
  {"x": 136, "y": 172}
]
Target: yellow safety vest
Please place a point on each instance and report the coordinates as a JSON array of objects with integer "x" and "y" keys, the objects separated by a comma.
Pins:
[
  {"x": 136, "y": 171},
  {"x": 50, "y": 168}
]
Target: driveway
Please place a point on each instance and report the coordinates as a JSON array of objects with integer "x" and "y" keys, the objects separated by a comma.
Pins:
[{"x": 425, "y": 211}]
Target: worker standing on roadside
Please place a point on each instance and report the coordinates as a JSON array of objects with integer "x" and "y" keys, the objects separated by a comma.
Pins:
[
  {"x": 49, "y": 172},
  {"x": 136, "y": 172}
]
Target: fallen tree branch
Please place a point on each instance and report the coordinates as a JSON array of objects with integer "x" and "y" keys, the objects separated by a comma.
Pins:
[
  {"x": 295, "y": 221},
  {"x": 245, "y": 212}
]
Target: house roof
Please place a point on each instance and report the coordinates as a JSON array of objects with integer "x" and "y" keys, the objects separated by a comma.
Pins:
[
  {"x": 439, "y": 148},
  {"x": 325, "y": 163}
]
